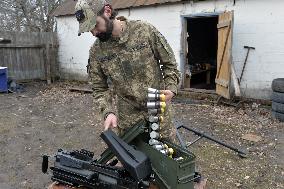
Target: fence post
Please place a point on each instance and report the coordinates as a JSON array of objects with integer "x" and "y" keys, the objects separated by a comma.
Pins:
[{"x": 48, "y": 74}]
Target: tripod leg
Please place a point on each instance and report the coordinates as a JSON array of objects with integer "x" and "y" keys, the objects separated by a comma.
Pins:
[
  {"x": 241, "y": 153},
  {"x": 180, "y": 139}
]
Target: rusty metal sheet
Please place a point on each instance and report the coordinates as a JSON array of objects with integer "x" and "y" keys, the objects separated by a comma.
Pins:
[
  {"x": 67, "y": 8},
  {"x": 122, "y": 4},
  {"x": 139, "y": 3}
]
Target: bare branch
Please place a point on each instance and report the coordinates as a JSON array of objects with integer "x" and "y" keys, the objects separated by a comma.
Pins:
[{"x": 28, "y": 15}]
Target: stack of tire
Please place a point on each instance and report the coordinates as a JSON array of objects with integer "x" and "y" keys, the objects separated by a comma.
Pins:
[{"x": 278, "y": 99}]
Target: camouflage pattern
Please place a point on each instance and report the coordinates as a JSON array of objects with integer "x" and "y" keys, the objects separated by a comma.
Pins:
[
  {"x": 132, "y": 62},
  {"x": 90, "y": 9}
]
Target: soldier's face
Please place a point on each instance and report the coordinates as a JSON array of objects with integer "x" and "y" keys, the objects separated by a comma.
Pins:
[{"x": 103, "y": 29}]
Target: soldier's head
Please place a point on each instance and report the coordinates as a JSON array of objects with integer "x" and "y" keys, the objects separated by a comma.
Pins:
[{"x": 95, "y": 16}]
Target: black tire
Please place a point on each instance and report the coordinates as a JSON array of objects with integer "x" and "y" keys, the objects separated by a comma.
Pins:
[
  {"x": 278, "y": 116},
  {"x": 278, "y": 85},
  {"x": 277, "y": 97},
  {"x": 278, "y": 107}
]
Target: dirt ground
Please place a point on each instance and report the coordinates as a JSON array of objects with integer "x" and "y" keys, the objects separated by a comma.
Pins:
[{"x": 45, "y": 118}]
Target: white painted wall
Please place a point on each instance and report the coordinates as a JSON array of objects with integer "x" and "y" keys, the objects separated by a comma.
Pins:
[
  {"x": 73, "y": 49},
  {"x": 258, "y": 23}
]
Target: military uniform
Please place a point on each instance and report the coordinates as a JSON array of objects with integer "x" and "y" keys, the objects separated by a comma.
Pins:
[{"x": 140, "y": 58}]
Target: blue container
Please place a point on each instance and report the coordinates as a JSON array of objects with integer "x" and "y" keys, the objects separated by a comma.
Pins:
[{"x": 3, "y": 79}]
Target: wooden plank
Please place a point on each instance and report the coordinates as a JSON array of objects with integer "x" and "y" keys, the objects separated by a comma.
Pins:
[
  {"x": 185, "y": 81},
  {"x": 83, "y": 90},
  {"x": 22, "y": 46},
  {"x": 223, "y": 24},
  {"x": 224, "y": 55},
  {"x": 222, "y": 82},
  {"x": 223, "y": 51},
  {"x": 3, "y": 41}
]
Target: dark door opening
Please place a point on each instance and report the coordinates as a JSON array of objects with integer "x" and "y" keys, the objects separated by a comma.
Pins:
[{"x": 202, "y": 46}]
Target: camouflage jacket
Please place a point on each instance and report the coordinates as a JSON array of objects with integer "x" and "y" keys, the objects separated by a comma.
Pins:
[{"x": 139, "y": 59}]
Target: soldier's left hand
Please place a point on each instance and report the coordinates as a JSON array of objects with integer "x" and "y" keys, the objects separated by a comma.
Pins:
[{"x": 169, "y": 95}]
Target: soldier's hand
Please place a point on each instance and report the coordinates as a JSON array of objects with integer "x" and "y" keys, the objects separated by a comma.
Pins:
[
  {"x": 110, "y": 122},
  {"x": 169, "y": 95}
]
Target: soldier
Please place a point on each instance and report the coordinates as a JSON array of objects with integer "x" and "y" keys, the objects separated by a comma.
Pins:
[{"x": 134, "y": 55}]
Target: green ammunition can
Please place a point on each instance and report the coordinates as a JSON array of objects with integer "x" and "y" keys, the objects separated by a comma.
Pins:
[{"x": 170, "y": 173}]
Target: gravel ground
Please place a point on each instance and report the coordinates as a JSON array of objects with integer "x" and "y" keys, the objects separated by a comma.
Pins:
[{"x": 45, "y": 118}]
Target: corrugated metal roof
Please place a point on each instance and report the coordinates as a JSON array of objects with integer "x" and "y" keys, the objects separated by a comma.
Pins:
[{"x": 67, "y": 7}]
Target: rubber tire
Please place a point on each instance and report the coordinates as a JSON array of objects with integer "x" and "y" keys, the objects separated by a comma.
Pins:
[
  {"x": 277, "y": 97},
  {"x": 278, "y": 116},
  {"x": 278, "y": 107},
  {"x": 278, "y": 85}
]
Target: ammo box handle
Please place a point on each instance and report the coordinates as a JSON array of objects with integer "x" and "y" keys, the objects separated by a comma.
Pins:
[{"x": 188, "y": 178}]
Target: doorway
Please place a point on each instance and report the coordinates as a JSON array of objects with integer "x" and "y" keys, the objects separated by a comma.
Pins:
[
  {"x": 201, "y": 56},
  {"x": 207, "y": 52}
]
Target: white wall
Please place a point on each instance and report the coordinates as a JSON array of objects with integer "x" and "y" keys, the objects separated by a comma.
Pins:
[
  {"x": 73, "y": 49},
  {"x": 258, "y": 23}
]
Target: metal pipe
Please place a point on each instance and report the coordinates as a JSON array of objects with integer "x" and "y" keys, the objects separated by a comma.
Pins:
[{"x": 201, "y": 134}]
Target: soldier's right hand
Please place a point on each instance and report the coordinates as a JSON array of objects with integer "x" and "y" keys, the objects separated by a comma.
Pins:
[{"x": 110, "y": 122}]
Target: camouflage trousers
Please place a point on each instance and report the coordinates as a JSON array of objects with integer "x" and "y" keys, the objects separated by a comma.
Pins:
[{"x": 128, "y": 115}]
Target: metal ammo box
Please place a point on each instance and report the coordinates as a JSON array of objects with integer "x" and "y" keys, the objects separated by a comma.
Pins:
[{"x": 169, "y": 172}]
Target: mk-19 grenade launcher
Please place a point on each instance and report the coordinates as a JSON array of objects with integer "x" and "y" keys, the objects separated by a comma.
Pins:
[{"x": 146, "y": 157}]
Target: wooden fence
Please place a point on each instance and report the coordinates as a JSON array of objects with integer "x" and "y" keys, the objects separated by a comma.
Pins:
[{"x": 30, "y": 56}]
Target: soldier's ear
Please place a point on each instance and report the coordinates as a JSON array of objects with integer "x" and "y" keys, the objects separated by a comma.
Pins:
[{"x": 108, "y": 10}]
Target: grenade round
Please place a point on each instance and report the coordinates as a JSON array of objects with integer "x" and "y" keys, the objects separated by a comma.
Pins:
[
  {"x": 155, "y": 126},
  {"x": 178, "y": 159},
  {"x": 160, "y": 146},
  {"x": 154, "y": 135},
  {"x": 157, "y": 97},
  {"x": 168, "y": 151},
  {"x": 156, "y": 105},
  {"x": 154, "y": 142},
  {"x": 156, "y": 111},
  {"x": 152, "y": 90},
  {"x": 154, "y": 119}
]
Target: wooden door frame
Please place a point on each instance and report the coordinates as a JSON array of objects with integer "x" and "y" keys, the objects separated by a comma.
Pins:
[{"x": 183, "y": 41}]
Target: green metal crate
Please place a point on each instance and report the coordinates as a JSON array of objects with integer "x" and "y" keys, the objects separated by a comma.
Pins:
[{"x": 169, "y": 173}]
